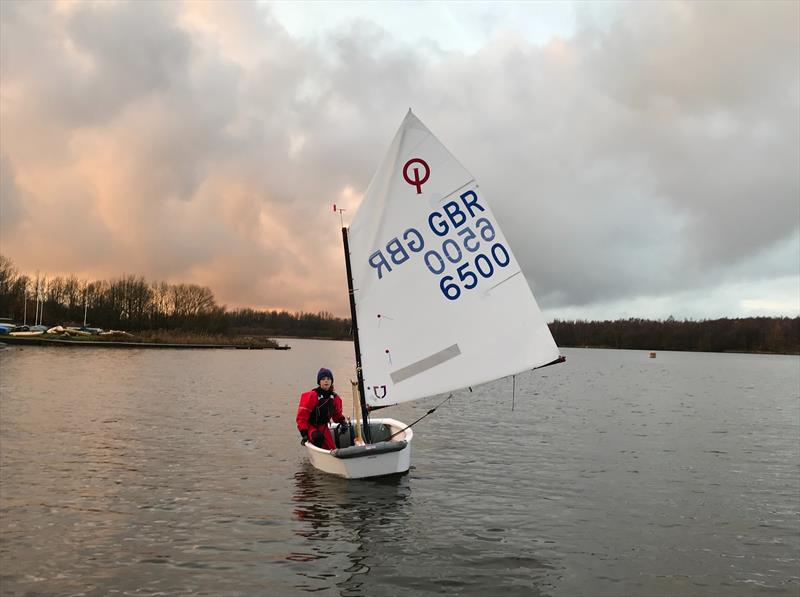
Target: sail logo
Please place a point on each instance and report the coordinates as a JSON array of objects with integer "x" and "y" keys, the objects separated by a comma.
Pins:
[
  {"x": 416, "y": 181},
  {"x": 382, "y": 394}
]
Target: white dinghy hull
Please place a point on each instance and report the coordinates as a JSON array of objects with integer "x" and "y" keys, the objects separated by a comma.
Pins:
[{"x": 375, "y": 460}]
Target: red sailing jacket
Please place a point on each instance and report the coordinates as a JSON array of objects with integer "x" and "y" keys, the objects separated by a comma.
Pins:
[{"x": 312, "y": 415}]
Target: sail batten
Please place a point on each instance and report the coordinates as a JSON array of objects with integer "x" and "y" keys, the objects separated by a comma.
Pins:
[
  {"x": 440, "y": 302},
  {"x": 425, "y": 364}
]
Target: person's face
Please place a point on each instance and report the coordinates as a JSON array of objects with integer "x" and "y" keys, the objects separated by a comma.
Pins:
[{"x": 325, "y": 383}]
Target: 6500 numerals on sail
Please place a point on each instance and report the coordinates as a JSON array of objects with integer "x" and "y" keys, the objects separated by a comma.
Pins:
[{"x": 466, "y": 249}]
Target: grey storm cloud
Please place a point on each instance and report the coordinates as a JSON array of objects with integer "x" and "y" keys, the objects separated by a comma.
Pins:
[{"x": 201, "y": 142}]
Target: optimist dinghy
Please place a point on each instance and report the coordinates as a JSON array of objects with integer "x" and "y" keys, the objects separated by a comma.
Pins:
[
  {"x": 381, "y": 457},
  {"x": 437, "y": 299}
]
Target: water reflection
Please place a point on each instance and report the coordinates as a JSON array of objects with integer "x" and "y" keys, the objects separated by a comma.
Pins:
[{"x": 358, "y": 519}]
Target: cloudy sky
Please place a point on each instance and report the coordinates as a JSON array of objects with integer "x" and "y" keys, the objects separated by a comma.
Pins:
[{"x": 642, "y": 158}]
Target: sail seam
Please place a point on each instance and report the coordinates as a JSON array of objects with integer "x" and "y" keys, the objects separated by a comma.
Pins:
[{"x": 451, "y": 193}]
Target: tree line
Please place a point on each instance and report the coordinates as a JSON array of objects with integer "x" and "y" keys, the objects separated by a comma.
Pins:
[
  {"x": 750, "y": 334},
  {"x": 132, "y": 304}
]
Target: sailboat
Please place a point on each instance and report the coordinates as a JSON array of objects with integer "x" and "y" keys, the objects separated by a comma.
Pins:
[{"x": 437, "y": 299}]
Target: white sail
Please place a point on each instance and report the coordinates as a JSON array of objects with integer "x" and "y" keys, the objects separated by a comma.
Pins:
[{"x": 441, "y": 301}]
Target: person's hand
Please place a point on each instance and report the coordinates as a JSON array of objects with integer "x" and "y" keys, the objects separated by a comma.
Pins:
[
  {"x": 304, "y": 439},
  {"x": 342, "y": 427}
]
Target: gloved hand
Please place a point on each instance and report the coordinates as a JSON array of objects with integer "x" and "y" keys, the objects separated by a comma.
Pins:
[
  {"x": 304, "y": 435},
  {"x": 342, "y": 427}
]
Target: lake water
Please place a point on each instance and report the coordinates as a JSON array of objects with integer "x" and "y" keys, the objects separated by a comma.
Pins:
[{"x": 161, "y": 472}]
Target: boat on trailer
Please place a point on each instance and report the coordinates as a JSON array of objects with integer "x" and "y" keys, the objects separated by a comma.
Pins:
[{"x": 437, "y": 299}]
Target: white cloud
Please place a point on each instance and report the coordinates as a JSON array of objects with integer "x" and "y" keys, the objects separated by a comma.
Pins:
[{"x": 644, "y": 159}]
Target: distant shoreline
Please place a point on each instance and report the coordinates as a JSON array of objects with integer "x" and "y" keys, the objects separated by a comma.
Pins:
[
  {"x": 668, "y": 350},
  {"x": 61, "y": 342}
]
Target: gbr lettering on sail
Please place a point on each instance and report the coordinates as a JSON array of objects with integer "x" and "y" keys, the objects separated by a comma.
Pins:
[{"x": 458, "y": 245}]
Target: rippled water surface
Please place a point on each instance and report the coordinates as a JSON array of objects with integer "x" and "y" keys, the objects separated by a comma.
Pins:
[{"x": 180, "y": 472}]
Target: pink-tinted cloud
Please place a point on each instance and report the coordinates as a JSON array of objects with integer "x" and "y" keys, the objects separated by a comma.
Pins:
[{"x": 200, "y": 142}]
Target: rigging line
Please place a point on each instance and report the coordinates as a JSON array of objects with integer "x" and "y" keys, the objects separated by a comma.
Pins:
[
  {"x": 430, "y": 412},
  {"x": 513, "y": 391}
]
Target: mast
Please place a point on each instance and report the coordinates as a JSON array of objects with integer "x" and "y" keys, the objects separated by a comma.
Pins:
[{"x": 361, "y": 395}]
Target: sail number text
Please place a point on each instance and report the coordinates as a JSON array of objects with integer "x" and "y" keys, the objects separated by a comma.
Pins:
[{"x": 470, "y": 245}]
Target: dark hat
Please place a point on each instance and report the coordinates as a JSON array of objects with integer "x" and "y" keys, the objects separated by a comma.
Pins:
[{"x": 324, "y": 373}]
